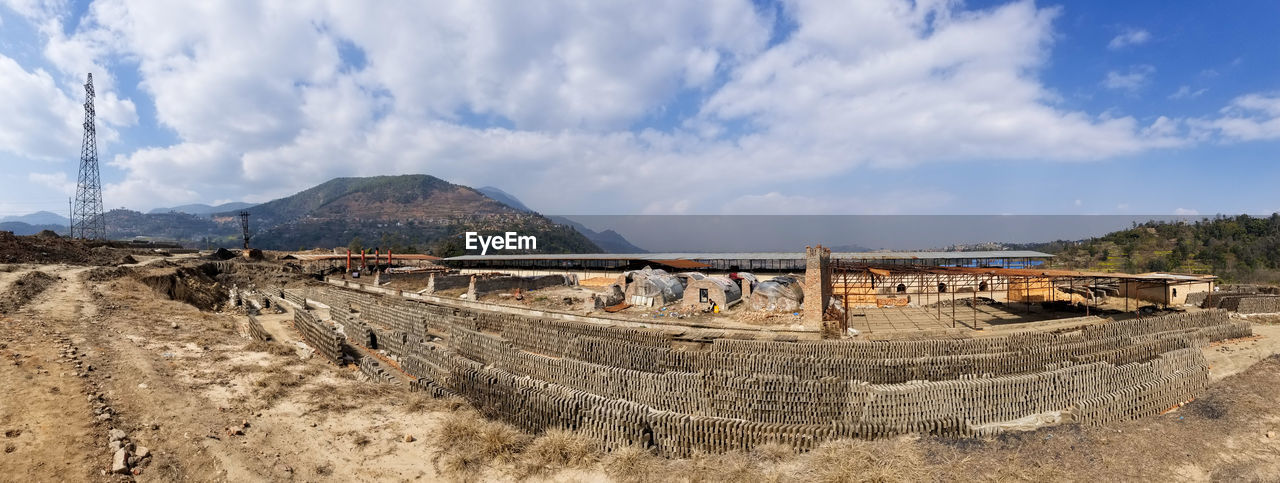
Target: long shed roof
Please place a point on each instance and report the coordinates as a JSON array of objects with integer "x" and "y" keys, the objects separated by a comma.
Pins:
[{"x": 997, "y": 254}]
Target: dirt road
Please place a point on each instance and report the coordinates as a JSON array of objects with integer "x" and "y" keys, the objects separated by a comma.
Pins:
[{"x": 206, "y": 403}]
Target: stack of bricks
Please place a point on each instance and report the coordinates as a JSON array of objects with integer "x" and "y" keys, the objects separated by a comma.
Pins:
[
  {"x": 371, "y": 367},
  {"x": 321, "y": 336},
  {"x": 296, "y": 296},
  {"x": 626, "y": 386},
  {"x": 256, "y": 331},
  {"x": 1252, "y": 304}
]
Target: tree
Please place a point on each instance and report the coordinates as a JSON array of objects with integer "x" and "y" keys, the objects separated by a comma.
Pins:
[{"x": 355, "y": 246}]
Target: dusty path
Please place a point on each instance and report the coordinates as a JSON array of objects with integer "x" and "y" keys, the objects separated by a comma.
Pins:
[
  {"x": 1232, "y": 357},
  {"x": 206, "y": 404}
]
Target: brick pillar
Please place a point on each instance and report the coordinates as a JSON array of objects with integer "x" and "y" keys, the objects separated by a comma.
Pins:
[
  {"x": 431, "y": 283},
  {"x": 817, "y": 286},
  {"x": 471, "y": 289},
  {"x": 746, "y": 290}
]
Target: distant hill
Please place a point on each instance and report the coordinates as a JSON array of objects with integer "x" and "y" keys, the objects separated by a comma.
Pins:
[
  {"x": 503, "y": 197},
  {"x": 610, "y": 241},
  {"x": 409, "y": 213},
  {"x": 125, "y": 224},
  {"x": 39, "y": 218},
  {"x": 202, "y": 209},
  {"x": 1240, "y": 248},
  {"x": 22, "y": 229}
]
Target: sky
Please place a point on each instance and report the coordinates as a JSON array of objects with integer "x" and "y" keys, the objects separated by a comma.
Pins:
[{"x": 656, "y": 107}]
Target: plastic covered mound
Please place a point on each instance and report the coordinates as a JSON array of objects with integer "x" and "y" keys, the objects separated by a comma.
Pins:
[
  {"x": 686, "y": 277},
  {"x": 661, "y": 286},
  {"x": 781, "y": 294},
  {"x": 726, "y": 285}
]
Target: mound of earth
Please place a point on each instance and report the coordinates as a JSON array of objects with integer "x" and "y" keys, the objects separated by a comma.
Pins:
[
  {"x": 193, "y": 285},
  {"x": 49, "y": 248},
  {"x": 25, "y": 288},
  {"x": 222, "y": 254}
]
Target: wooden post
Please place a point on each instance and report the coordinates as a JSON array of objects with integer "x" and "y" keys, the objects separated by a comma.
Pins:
[{"x": 975, "y": 308}]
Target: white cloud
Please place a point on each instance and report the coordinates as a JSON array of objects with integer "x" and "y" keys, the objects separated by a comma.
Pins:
[
  {"x": 56, "y": 181},
  {"x": 1131, "y": 81},
  {"x": 1251, "y": 117},
  {"x": 1185, "y": 92},
  {"x": 1129, "y": 38},
  {"x": 263, "y": 105},
  {"x": 35, "y": 8},
  {"x": 1185, "y": 212},
  {"x": 37, "y": 120}
]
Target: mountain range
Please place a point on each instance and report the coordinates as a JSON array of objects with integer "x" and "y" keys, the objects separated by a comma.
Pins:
[
  {"x": 202, "y": 209},
  {"x": 38, "y": 218},
  {"x": 409, "y": 213},
  {"x": 405, "y": 213}
]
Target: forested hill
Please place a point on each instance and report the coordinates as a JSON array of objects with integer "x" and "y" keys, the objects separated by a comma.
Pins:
[{"x": 1240, "y": 248}]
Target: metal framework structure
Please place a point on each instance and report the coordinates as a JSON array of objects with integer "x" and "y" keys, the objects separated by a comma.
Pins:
[
  {"x": 932, "y": 285},
  {"x": 87, "y": 220},
  {"x": 244, "y": 227}
]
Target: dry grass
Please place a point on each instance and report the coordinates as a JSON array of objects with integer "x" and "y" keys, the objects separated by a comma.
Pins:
[
  {"x": 854, "y": 460},
  {"x": 773, "y": 452},
  {"x": 419, "y": 403},
  {"x": 275, "y": 386},
  {"x": 731, "y": 466},
  {"x": 634, "y": 464},
  {"x": 467, "y": 444},
  {"x": 270, "y": 348},
  {"x": 557, "y": 449}
]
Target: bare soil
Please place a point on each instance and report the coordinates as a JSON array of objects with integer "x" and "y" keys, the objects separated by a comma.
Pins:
[{"x": 50, "y": 248}]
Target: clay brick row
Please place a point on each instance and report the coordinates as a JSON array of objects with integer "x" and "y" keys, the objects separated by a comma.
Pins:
[
  {"x": 321, "y": 336},
  {"x": 256, "y": 331}
]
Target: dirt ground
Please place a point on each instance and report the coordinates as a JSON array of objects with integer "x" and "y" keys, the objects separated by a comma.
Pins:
[{"x": 88, "y": 356}]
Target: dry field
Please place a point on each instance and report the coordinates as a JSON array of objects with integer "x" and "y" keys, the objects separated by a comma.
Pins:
[{"x": 96, "y": 350}]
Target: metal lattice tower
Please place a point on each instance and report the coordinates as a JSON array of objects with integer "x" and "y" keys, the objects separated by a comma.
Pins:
[
  {"x": 86, "y": 216},
  {"x": 244, "y": 226}
]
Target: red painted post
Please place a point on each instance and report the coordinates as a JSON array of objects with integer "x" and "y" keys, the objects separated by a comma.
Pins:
[
  {"x": 388, "y": 258},
  {"x": 348, "y": 262},
  {"x": 377, "y": 256}
]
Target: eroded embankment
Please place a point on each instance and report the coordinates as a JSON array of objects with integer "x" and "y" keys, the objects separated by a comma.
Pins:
[
  {"x": 24, "y": 289},
  {"x": 193, "y": 285}
]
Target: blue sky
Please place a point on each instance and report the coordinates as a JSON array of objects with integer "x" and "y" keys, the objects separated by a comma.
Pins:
[{"x": 726, "y": 106}]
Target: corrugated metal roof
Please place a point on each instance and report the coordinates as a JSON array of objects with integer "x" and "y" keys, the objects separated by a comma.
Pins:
[
  {"x": 759, "y": 256},
  {"x": 311, "y": 257},
  {"x": 1047, "y": 273},
  {"x": 681, "y": 264}
]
